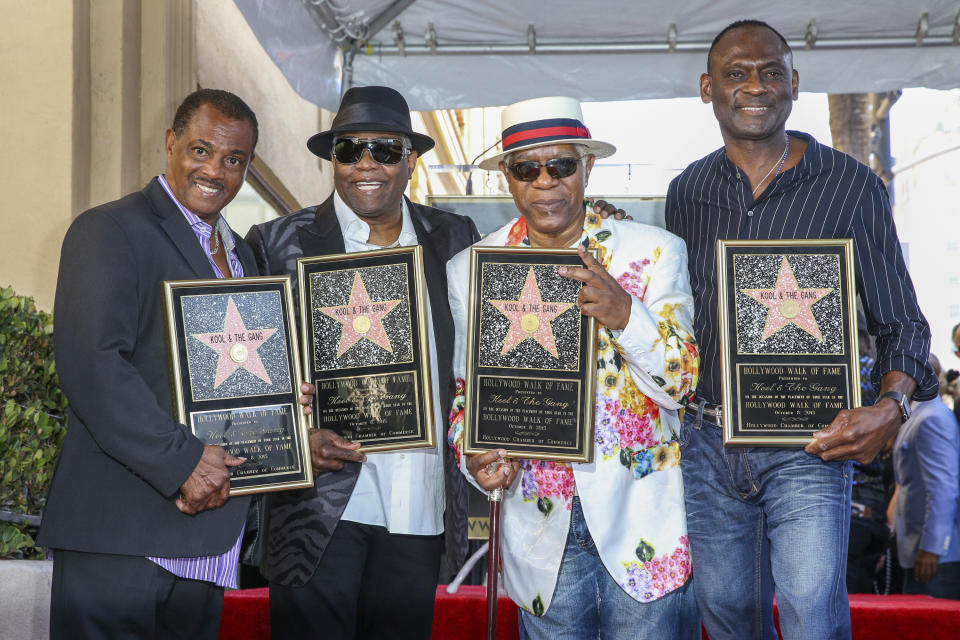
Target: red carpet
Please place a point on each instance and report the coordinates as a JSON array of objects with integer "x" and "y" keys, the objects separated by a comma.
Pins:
[{"x": 460, "y": 616}]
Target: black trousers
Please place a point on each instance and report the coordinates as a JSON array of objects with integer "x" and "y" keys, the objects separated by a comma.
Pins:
[
  {"x": 100, "y": 596},
  {"x": 370, "y": 584}
]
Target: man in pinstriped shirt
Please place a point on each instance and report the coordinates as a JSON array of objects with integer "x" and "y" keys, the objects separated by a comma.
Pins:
[
  {"x": 765, "y": 520},
  {"x": 145, "y": 539}
]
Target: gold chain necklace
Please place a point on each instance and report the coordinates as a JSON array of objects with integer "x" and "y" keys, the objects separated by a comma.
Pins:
[
  {"x": 216, "y": 242},
  {"x": 777, "y": 165}
]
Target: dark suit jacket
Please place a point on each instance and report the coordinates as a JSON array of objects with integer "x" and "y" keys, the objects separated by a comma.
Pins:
[
  {"x": 124, "y": 457},
  {"x": 298, "y": 524}
]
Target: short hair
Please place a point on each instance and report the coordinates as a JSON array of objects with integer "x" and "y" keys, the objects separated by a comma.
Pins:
[
  {"x": 740, "y": 24},
  {"x": 953, "y": 332},
  {"x": 225, "y": 102}
]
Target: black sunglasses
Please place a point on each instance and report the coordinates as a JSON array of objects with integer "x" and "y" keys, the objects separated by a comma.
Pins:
[
  {"x": 383, "y": 150},
  {"x": 557, "y": 168}
]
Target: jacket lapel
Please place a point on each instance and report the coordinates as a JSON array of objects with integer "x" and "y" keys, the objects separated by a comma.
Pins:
[
  {"x": 175, "y": 226},
  {"x": 322, "y": 236},
  {"x": 435, "y": 245},
  {"x": 247, "y": 259}
]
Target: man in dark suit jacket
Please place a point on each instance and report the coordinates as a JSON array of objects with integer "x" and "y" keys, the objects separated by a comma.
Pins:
[
  {"x": 137, "y": 500},
  {"x": 358, "y": 555}
]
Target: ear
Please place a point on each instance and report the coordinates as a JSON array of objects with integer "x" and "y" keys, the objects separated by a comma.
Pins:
[
  {"x": 795, "y": 82},
  {"x": 412, "y": 163},
  {"x": 706, "y": 88},
  {"x": 170, "y": 140}
]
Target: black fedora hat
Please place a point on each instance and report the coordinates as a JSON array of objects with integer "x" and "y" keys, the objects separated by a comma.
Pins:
[{"x": 370, "y": 109}]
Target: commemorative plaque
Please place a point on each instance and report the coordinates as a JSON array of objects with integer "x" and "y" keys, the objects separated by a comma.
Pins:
[
  {"x": 235, "y": 373},
  {"x": 788, "y": 338},
  {"x": 366, "y": 346},
  {"x": 531, "y": 356}
]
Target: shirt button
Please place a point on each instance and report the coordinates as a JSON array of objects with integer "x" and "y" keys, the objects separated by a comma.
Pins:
[
  {"x": 750, "y": 213},
  {"x": 403, "y": 456}
]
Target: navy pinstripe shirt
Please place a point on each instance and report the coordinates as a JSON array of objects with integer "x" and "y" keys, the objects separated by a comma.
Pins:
[{"x": 827, "y": 195}]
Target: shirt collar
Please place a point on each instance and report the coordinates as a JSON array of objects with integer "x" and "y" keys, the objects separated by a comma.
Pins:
[
  {"x": 200, "y": 227},
  {"x": 808, "y": 165},
  {"x": 356, "y": 230}
]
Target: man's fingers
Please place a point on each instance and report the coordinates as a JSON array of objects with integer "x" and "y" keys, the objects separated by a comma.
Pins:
[
  {"x": 341, "y": 453},
  {"x": 606, "y": 210},
  {"x": 513, "y": 469},
  {"x": 322, "y": 464},
  {"x": 588, "y": 260},
  {"x": 307, "y": 389},
  {"x": 489, "y": 474},
  {"x": 339, "y": 441},
  {"x": 185, "y": 506},
  {"x": 480, "y": 464},
  {"x": 233, "y": 461},
  {"x": 830, "y": 436}
]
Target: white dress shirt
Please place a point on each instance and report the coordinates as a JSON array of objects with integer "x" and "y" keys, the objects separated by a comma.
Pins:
[{"x": 402, "y": 491}]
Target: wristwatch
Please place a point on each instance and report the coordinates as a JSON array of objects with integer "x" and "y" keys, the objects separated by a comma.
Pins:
[{"x": 901, "y": 401}]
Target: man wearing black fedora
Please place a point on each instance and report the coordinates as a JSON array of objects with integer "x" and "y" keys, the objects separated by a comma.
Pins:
[{"x": 358, "y": 555}]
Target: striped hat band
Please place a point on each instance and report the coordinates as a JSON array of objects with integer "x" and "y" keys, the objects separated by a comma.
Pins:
[{"x": 542, "y": 131}]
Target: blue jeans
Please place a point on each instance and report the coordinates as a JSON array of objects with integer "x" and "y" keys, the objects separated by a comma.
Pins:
[
  {"x": 765, "y": 521},
  {"x": 588, "y": 603}
]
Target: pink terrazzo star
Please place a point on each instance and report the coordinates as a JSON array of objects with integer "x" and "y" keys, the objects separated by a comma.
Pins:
[
  {"x": 788, "y": 304},
  {"x": 361, "y": 318},
  {"x": 530, "y": 317},
  {"x": 237, "y": 346}
]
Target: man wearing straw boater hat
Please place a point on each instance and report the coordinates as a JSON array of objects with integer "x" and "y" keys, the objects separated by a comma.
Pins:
[
  {"x": 598, "y": 547},
  {"x": 358, "y": 555}
]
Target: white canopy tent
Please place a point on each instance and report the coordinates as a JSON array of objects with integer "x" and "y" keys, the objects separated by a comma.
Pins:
[{"x": 444, "y": 54}]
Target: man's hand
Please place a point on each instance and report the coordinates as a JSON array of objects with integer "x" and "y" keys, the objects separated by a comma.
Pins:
[
  {"x": 306, "y": 397},
  {"x": 328, "y": 450},
  {"x": 488, "y": 473},
  {"x": 925, "y": 566},
  {"x": 859, "y": 434},
  {"x": 601, "y": 296},
  {"x": 208, "y": 486},
  {"x": 604, "y": 209}
]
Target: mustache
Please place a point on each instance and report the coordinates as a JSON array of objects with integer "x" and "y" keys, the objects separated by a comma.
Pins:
[{"x": 210, "y": 183}]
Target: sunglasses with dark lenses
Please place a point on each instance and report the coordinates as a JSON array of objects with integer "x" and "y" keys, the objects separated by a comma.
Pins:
[
  {"x": 383, "y": 150},
  {"x": 557, "y": 168}
]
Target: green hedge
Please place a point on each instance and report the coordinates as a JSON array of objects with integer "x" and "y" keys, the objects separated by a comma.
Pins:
[{"x": 31, "y": 424}]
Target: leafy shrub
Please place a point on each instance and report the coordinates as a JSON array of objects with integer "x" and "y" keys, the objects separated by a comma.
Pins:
[{"x": 31, "y": 421}]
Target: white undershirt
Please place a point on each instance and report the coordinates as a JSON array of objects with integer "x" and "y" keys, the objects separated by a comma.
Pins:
[{"x": 402, "y": 491}]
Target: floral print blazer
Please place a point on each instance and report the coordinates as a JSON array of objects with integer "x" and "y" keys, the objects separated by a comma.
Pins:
[{"x": 632, "y": 493}]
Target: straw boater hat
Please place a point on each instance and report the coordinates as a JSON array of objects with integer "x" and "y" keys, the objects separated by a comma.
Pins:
[
  {"x": 545, "y": 121},
  {"x": 370, "y": 109}
]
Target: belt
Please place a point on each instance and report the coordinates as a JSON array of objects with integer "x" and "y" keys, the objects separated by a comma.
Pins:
[{"x": 714, "y": 411}]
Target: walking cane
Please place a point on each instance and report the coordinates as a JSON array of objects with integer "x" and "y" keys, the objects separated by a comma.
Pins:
[{"x": 493, "y": 561}]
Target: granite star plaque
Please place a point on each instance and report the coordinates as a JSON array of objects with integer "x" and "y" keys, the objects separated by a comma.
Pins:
[
  {"x": 235, "y": 372},
  {"x": 531, "y": 356},
  {"x": 366, "y": 346},
  {"x": 788, "y": 338}
]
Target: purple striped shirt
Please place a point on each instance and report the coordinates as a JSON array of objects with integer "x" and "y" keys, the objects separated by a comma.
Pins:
[
  {"x": 203, "y": 231},
  {"x": 220, "y": 570}
]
